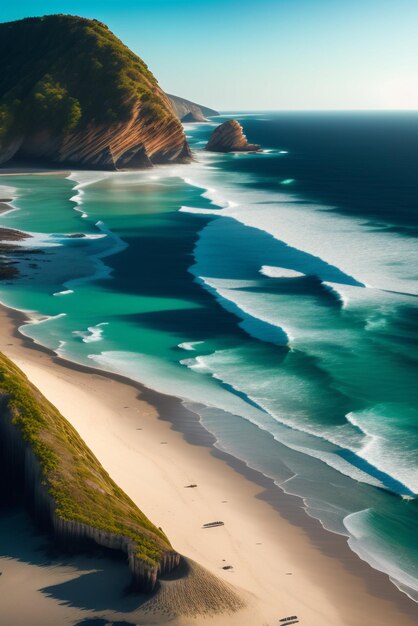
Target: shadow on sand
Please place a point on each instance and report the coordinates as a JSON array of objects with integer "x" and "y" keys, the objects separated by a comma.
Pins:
[{"x": 95, "y": 583}]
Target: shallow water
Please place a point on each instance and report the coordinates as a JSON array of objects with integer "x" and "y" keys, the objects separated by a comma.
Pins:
[{"x": 280, "y": 288}]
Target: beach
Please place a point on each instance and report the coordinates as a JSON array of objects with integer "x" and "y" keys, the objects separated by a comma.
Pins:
[
  {"x": 280, "y": 561},
  {"x": 208, "y": 316}
]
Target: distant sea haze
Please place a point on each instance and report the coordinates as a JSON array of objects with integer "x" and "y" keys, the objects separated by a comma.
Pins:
[{"x": 275, "y": 293}]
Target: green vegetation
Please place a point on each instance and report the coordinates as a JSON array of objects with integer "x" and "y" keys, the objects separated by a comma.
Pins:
[
  {"x": 82, "y": 490},
  {"x": 62, "y": 71}
]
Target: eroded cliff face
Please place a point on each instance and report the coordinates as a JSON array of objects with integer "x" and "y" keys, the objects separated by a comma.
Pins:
[
  {"x": 21, "y": 473},
  {"x": 136, "y": 143},
  {"x": 72, "y": 93}
]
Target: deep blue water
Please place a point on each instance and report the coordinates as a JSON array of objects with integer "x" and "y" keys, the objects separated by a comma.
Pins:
[
  {"x": 275, "y": 293},
  {"x": 364, "y": 164}
]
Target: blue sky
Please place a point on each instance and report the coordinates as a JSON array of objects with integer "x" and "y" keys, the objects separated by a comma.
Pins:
[{"x": 265, "y": 54}]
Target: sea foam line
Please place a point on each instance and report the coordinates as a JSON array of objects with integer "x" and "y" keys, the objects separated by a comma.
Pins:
[
  {"x": 259, "y": 327},
  {"x": 279, "y": 272},
  {"x": 65, "y": 292},
  {"x": 12, "y": 192},
  {"x": 83, "y": 179},
  {"x": 189, "y": 345},
  {"x": 92, "y": 334},
  {"x": 356, "y": 251},
  {"x": 354, "y": 524}
]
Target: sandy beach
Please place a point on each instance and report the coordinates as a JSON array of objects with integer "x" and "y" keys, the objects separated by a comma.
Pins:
[
  {"x": 18, "y": 169},
  {"x": 280, "y": 561}
]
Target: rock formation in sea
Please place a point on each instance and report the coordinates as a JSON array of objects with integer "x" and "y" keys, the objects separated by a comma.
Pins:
[
  {"x": 65, "y": 487},
  {"x": 72, "y": 93},
  {"x": 229, "y": 137},
  {"x": 9, "y": 249},
  {"x": 183, "y": 107}
]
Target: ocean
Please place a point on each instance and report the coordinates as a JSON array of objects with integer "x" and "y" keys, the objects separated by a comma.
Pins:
[{"x": 274, "y": 293}]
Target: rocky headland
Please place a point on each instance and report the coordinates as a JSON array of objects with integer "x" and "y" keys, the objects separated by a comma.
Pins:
[
  {"x": 229, "y": 137},
  {"x": 188, "y": 111},
  {"x": 193, "y": 117},
  {"x": 72, "y": 93}
]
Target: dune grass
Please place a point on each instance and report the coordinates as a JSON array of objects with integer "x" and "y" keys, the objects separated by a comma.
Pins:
[{"x": 80, "y": 487}]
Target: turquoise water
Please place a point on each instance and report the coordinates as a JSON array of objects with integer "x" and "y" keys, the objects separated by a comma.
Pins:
[{"x": 284, "y": 317}]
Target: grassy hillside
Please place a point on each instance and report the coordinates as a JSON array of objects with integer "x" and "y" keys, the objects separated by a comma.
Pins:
[
  {"x": 78, "y": 484},
  {"x": 61, "y": 72}
]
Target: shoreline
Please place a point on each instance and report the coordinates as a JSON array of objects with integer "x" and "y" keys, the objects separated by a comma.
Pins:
[
  {"x": 279, "y": 555},
  {"x": 33, "y": 170}
]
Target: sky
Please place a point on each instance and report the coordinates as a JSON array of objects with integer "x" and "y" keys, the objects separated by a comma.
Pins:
[{"x": 265, "y": 54}]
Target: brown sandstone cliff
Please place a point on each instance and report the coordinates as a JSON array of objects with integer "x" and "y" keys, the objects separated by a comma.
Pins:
[{"x": 72, "y": 93}]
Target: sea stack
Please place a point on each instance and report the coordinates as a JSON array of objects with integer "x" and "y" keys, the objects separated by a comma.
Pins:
[{"x": 229, "y": 137}]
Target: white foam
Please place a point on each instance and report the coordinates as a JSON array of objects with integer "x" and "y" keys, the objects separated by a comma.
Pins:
[
  {"x": 197, "y": 211},
  {"x": 170, "y": 378},
  {"x": 84, "y": 179},
  {"x": 65, "y": 292},
  {"x": 282, "y": 427},
  {"x": 48, "y": 318},
  {"x": 240, "y": 114},
  {"x": 261, "y": 324},
  {"x": 340, "y": 291},
  {"x": 95, "y": 236},
  {"x": 35, "y": 319},
  {"x": 385, "y": 446},
  {"x": 378, "y": 552},
  {"x": 6, "y": 191},
  {"x": 92, "y": 334},
  {"x": 276, "y": 394},
  {"x": 279, "y": 272},
  {"x": 314, "y": 230},
  {"x": 217, "y": 198},
  {"x": 347, "y": 243},
  {"x": 197, "y": 365},
  {"x": 39, "y": 240},
  {"x": 190, "y": 126},
  {"x": 189, "y": 345}
]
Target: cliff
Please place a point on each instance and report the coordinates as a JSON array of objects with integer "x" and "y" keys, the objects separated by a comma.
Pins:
[
  {"x": 65, "y": 486},
  {"x": 229, "y": 137},
  {"x": 71, "y": 92},
  {"x": 183, "y": 108},
  {"x": 192, "y": 117}
]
